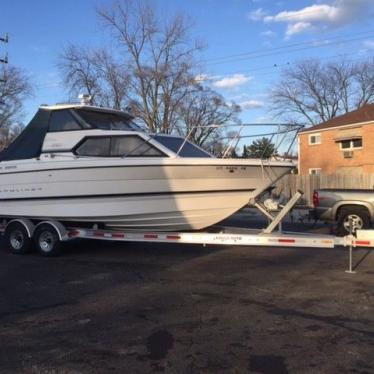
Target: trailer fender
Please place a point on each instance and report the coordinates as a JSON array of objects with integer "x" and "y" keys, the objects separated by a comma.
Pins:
[
  {"x": 26, "y": 223},
  {"x": 58, "y": 226}
]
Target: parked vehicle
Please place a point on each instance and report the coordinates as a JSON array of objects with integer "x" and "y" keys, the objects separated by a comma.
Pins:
[{"x": 343, "y": 206}]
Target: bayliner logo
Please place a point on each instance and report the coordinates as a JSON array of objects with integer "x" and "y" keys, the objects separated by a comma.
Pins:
[
  {"x": 8, "y": 167},
  {"x": 18, "y": 190}
]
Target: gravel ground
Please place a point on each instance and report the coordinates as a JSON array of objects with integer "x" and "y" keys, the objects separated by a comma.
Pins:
[{"x": 139, "y": 308}]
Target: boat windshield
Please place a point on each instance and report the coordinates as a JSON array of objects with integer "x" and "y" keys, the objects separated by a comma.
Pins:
[
  {"x": 174, "y": 143},
  {"x": 107, "y": 120}
]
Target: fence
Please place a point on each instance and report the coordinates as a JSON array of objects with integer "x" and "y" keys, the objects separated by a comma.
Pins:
[{"x": 289, "y": 184}]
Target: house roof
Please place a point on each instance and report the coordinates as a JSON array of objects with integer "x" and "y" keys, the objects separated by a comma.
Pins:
[{"x": 364, "y": 114}]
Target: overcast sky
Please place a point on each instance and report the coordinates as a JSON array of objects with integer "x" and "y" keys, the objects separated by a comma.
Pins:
[{"x": 248, "y": 41}]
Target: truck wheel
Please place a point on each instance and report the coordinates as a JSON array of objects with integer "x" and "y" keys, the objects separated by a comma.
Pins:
[
  {"x": 17, "y": 239},
  {"x": 47, "y": 240},
  {"x": 359, "y": 216}
]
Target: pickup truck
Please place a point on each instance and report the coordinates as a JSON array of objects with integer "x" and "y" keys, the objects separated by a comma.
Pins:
[{"x": 341, "y": 205}]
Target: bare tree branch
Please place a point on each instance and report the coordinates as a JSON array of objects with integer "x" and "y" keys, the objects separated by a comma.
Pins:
[
  {"x": 96, "y": 73},
  {"x": 152, "y": 71},
  {"x": 315, "y": 92},
  {"x": 161, "y": 58},
  {"x": 14, "y": 90},
  {"x": 202, "y": 114}
]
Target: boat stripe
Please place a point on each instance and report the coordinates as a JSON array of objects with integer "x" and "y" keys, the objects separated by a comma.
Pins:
[
  {"x": 127, "y": 195},
  {"x": 143, "y": 166},
  {"x": 362, "y": 242},
  {"x": 286, "y": 240}
]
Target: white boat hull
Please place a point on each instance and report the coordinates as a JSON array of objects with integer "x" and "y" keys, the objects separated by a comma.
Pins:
[
  {"x": 165, "y": 197},
  {"x": 152, "y": 212}
]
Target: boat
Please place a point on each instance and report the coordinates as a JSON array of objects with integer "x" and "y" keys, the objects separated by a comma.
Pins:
[{"x": 85, "y": 164}]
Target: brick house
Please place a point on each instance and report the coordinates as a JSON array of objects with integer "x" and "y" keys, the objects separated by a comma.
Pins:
[{"x": 344, "y": 144}]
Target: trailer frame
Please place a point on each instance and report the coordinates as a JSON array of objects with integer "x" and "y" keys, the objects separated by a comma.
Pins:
[{"x": 217, "y": 235}]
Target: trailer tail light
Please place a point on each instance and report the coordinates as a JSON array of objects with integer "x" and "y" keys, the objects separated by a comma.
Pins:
[{"x": 315, "y": 199}]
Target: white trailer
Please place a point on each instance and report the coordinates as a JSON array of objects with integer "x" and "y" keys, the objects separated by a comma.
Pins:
[{"x": 21, "y": 234}]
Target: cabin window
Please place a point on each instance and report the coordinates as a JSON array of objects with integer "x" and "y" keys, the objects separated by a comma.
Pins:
[
  {"x": 107, "y": 121},
  {"x": 118, "y": 146},
  {"x": 133, "y": 146},
  {"x": 94, "y": 147},
  {"x": 174, "y": 143},
  {"x": 314, "y": 139},
  {"x": 63, "y": 120},
  {"x": 351, "y": 144}
]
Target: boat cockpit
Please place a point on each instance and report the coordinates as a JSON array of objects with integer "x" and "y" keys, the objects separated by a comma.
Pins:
[{"x": 89, "y": 131}]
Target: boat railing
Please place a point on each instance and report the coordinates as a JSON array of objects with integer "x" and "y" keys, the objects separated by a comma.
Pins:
[
  {"x": 283, "y": 130},
  {"x": 193, "y": 128}
]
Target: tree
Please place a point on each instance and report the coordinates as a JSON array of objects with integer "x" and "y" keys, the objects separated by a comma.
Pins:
[
  {"x": 260, "y": 148},
  {"x": 14, "y": 89},
  {"x": 314, "y": 92},
  {"x": 234, "y": 154},
  {"x": 159, "y": 58},
  {"x": 202, "y": 113},
  {"x": 152, "y": 71},
  {"x": 222, "y": 144},
  {"x": 245, "y": 153},
  {"x": 96, "y": 73}
]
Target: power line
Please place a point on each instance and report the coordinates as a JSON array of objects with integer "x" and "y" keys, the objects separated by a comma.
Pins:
[
  {"x": 277, "y": 66},
  {"x": 264, "y": 54},
  {"x": 267, "y": 50},
  {"x": 273, "y": 72},
  {"x": 273, "y": 67}
]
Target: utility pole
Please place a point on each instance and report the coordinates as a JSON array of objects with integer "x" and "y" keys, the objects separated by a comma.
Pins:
[{"x": 4, "y": 60}]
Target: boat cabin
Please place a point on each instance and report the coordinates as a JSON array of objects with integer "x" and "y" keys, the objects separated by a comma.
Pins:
[{"x": 90, "y": 131}]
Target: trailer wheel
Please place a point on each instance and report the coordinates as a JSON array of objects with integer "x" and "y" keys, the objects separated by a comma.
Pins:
[
  {"x": 47, "y": 240},
  {"x": 359, "y": 216},
  {"x": 17, "y": 239}
]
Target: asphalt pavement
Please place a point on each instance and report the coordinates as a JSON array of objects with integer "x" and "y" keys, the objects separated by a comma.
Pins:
[{"x": 106, "y": 307}]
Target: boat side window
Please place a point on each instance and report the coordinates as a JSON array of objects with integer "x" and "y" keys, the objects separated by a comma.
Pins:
[
  {"x": 180, "y": 146},
  {"x": 133, "y": 146},
  {"x": 94, "y": 147},
  {"x": 107, "y": 121},
  {"x": 63, "y": 120},
  {"x": 117, "y": 146}
]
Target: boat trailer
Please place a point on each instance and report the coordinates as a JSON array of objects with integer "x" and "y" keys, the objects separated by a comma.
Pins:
[{"x": 22, "y": 233}]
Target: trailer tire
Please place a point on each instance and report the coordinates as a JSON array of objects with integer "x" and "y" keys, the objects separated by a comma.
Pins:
[
  {"x": 47, "y": 240},
  {"x": 17, "y": 239},
  {"x": 360, "y": 217}
]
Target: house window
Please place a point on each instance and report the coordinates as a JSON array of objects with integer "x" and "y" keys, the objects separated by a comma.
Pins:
[
  {"x": 315, "y": 171},
  {"x": 351, "y": 144},
  {"x": 314, "y": 139}
]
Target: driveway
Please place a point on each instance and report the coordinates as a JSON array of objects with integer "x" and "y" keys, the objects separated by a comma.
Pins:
[{"x": 139, "y": 308}]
